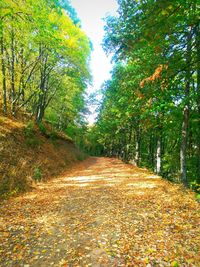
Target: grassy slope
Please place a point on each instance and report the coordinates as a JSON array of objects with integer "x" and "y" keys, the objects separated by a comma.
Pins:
[{"x": 26, "y": 155}]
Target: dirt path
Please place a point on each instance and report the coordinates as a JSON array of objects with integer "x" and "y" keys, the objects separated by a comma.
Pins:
[{"x": 102, "y": 213}]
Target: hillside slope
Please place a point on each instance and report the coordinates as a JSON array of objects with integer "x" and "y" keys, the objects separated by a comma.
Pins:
[{"x": 29, "y": 154}]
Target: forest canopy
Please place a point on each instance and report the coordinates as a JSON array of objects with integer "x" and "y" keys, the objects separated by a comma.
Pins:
[
  {"x": 44, "y": 61},
  {"x": 150, "y": 112}
]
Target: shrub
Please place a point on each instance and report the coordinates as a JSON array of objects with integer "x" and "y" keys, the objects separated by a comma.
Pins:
[
  {"x": 195, "y": 186},
  {"x": 37, "y": 174},
  {"x": 42, "y": 128}
]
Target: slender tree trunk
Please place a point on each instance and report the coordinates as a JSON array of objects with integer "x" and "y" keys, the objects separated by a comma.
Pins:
[
  {"x": 13, "y": 95},
  {"x": 125, "y": 144},
  {"x": 3, "y": 69},
  {"x": 137, "y": 147},
  {"x": 121, "y": 156},
  {"x": 183, "y": 150},
  {"x": 197, "y": 33},
  {"x": 21, "y": 84},
  {"x": 40, "y": 112},
  {"x": 158, "y": 156},
  {"x": 159, "y": 145},
  {"x": 151, "y": 150},
  {"x": 40, "y": 104},
  {"x": 185, "y": 123},
  {"x": 41, "y": 99},
  {"x": 129, "y": 144},
  {"x": 137, "y": 151}
]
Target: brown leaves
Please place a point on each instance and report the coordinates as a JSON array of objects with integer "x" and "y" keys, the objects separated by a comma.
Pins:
[
  {"x": 156, "y": 75},
  {"x": 103, "y": 212}
]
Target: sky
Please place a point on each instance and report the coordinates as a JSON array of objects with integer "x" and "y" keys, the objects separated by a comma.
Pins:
[{"x": 91, "y": 13}]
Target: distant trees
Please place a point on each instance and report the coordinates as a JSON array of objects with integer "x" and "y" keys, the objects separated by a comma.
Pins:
[
  {"x": 44, "y": 60},
  {"x": 150, "y": 110}
]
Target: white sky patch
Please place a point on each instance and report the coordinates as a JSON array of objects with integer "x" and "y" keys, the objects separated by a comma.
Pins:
[{"x": 91, "y": 13}]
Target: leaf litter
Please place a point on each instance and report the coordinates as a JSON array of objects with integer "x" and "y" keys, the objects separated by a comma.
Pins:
[{"x": 102, "y": 213}]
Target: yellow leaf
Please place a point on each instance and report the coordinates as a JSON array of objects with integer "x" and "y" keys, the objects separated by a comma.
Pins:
[
  {"x": 174, "y": 264},
  {"x": 164, "y": 13}
]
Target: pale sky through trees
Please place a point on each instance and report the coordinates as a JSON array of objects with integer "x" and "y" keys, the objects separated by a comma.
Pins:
[{"x": 91, "y": 13}]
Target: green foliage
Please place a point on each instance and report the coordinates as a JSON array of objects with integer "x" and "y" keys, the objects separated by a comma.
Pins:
[
  {"x": 37, "y": 174},
  {"x": 198, "y": 197},
  {"x": 42, "y": 128},
  {"x": 65, "y": 4},
  {"x": 153, "y": 80},
  {"x": 49, "y": 71},
  {"x": 53, "y": 135},
  {"x": 195, "y": 186}
]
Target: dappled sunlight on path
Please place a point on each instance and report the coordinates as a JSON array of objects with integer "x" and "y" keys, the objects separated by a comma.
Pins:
[{"x": 102, "y": 213}]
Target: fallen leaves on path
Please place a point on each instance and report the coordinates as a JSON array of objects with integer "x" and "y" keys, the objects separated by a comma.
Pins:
[{"x": 101, "y": 213}]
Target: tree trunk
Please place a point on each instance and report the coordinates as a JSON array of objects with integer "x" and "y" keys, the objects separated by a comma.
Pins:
[
  {"x": 183, "y": 151},
  {"x": 197, "y": 32},
  {"x": 137, "y": 147},
  {"x": 40, "y": 112},
  {"x": 185, "y": 123},
  {"x": 43, "y": 77},
  {"x": 41, "y": 102},
  {"x": 151, "y": 150},
  {"x": 158, "y": 164},
  {"x": 3, "y": 69},
  {"x": 21, "y": 84},
  {"x": 13, "y": 100},
  {"x": 129, "y": 144},
  {"x": 158, "y": 156}
]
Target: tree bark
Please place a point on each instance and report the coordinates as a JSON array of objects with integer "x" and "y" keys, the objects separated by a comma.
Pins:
[
  {"x": 43, "y": 77},
  {"x": 158, "y": 156},
  {"x": 151, "y": 150},
  {"x": 197, "y": 34},
  {"x": 21, "y": 83},
  {"x": 185, "y": 123},
  {"x": 158, "y": 164},
  {"x": 13, "y": 95},
  {"x": 137, "y": 147},
  {"x": 3, "y": 69}
]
